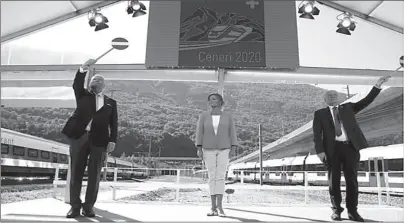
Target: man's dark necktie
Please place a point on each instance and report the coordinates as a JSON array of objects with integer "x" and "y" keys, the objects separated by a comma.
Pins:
[{"x": 337, "y": 121}]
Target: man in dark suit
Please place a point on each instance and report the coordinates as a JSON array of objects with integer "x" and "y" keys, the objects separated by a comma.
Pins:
[
  {"x": 92, "y": 130},
  {"x": 338, "y": 139}
]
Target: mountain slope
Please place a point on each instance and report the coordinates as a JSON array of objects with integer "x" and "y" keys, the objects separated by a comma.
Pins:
[{"x": 167, "y": 113}]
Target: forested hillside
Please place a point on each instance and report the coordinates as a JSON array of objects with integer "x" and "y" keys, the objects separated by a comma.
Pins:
[{"x": 167, "y": 113}]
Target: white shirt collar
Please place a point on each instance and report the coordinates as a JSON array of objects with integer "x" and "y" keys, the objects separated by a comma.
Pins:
[{"x": 331, "y": 107}]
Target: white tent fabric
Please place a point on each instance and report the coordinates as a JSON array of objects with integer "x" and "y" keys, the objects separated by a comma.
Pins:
[
  {"x": 23, "y": 17},
  {"x": 13, "y": 24},
  {"x": 371, "y": 47},
  {"x": 391, "y": 12}
]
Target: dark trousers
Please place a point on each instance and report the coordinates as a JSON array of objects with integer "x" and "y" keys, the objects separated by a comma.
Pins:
[
  {"x": 345, "y": 157},
  {"x": 82, "y": 151}
]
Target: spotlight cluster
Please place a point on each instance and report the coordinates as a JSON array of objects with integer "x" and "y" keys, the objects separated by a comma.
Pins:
[
  {"x": 345, "y": 26},
  {"x": 136, "y": 8},
  {"x": 307, "y": 10},
  {"x": 97, "y": 19},
  {"x": 346, "y": 23}
]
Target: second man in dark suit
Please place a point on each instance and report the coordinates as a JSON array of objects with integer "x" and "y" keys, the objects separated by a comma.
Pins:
[
  {"x": 338, "y": 139},
  {"x": 92, "y": 130}
]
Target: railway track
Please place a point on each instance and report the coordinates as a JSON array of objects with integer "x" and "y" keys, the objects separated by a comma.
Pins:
[
  {"x": 393, "y": 192},
  {"x": 16, "y": 181},
  {"x": 25, "y": 181}
]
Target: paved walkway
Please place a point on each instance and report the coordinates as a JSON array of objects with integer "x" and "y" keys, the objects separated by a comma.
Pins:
[{"x": 54, "y": 210}]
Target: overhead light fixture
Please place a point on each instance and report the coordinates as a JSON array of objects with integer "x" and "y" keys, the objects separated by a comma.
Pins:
[
  {"x": 97, "y": 19},
  {"x": 307, "y": 10},
  {"x": 346, "y": 23},
  {"x": 136, "y": 7}
]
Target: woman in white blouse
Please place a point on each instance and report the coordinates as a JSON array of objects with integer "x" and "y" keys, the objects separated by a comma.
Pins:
[{"x": 215, "y": 138}]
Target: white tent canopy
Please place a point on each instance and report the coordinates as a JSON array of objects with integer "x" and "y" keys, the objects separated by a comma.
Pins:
[{"x": 19, "y": 18}]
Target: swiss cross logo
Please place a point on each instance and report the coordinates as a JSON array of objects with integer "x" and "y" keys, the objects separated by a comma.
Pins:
[{"x": 252, "y": 3}]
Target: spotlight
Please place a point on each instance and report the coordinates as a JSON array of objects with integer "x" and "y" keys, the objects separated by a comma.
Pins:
[
  {"x": 136, "y": 7},
  {"x": 346, "y": 24},
  {"x": 307, "y": 9},
  {"x": 97, "y": 19}
]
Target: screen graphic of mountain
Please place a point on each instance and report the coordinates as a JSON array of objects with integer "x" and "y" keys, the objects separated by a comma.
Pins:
[{"x": 206, "y": 25}]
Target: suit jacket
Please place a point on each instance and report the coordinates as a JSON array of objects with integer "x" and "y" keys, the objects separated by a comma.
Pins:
[
  {"x": 226, "y": 132},
  {"x": 324, "y": 129},
  {"x": 104, "y": 127}
]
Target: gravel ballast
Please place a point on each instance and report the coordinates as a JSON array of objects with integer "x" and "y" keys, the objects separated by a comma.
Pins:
[
  {"x": 201, "y": 196},
  {"x": 11, "y": 194}
]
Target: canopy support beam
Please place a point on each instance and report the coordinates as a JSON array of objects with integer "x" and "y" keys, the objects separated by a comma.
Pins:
[
  {"x": 47, "y": 24},
  {"x": 365, "y": 17},
  {"x": 303, "y": 75}
]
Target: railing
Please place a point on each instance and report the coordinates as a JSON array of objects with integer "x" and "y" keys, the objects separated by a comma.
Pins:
[
  {"x": 151, "y": 173},
  {"x": 367, "y": 177},
  {"x": 176, "y": 182}
]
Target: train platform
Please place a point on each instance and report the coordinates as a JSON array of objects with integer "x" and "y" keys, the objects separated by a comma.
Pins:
[{"x": 54, "y": 210}]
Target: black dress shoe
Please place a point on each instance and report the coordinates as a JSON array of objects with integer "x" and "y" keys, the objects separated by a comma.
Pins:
[
  {"x": 88, "y": 212},
  {"x": 74, "y": 212},
  {"x": 336, "y": 215},
  {"x": 355, "y": 217}
]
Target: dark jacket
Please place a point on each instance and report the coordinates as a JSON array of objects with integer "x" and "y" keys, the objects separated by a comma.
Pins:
[
  {"x": 324, "y": 129},
  {"x": 104, "y": 127}
]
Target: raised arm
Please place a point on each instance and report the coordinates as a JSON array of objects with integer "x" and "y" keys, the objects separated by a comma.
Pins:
[
  {"x": 318, "y": 133},
  {"x": 78, "y": 85},
  {"x": 360, "y": 105},
  {"x": 79, "y": 79}
]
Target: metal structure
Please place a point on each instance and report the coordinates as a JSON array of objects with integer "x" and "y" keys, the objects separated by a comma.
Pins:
[
  {"x": 387, "y": 14},
  {"x": 303, "y": 75},
  {"x": 177, "y": 158},
  {"x": 51, "y": 13},
  {"x": 376, "y": 12},
  {"x": 260, "y": 149}
]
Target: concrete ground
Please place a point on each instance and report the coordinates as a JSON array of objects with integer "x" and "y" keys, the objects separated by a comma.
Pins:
[{"x": 54, "y": 210}]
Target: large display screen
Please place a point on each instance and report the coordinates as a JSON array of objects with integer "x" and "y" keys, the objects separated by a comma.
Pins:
[{"x": 222, "y": 34}]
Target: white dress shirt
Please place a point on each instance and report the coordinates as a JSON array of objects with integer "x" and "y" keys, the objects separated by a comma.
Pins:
[
  {"x": 342, "y": 137},
  {"x": 99, "y": 102},
  {"x": 215, "y": 122}
]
